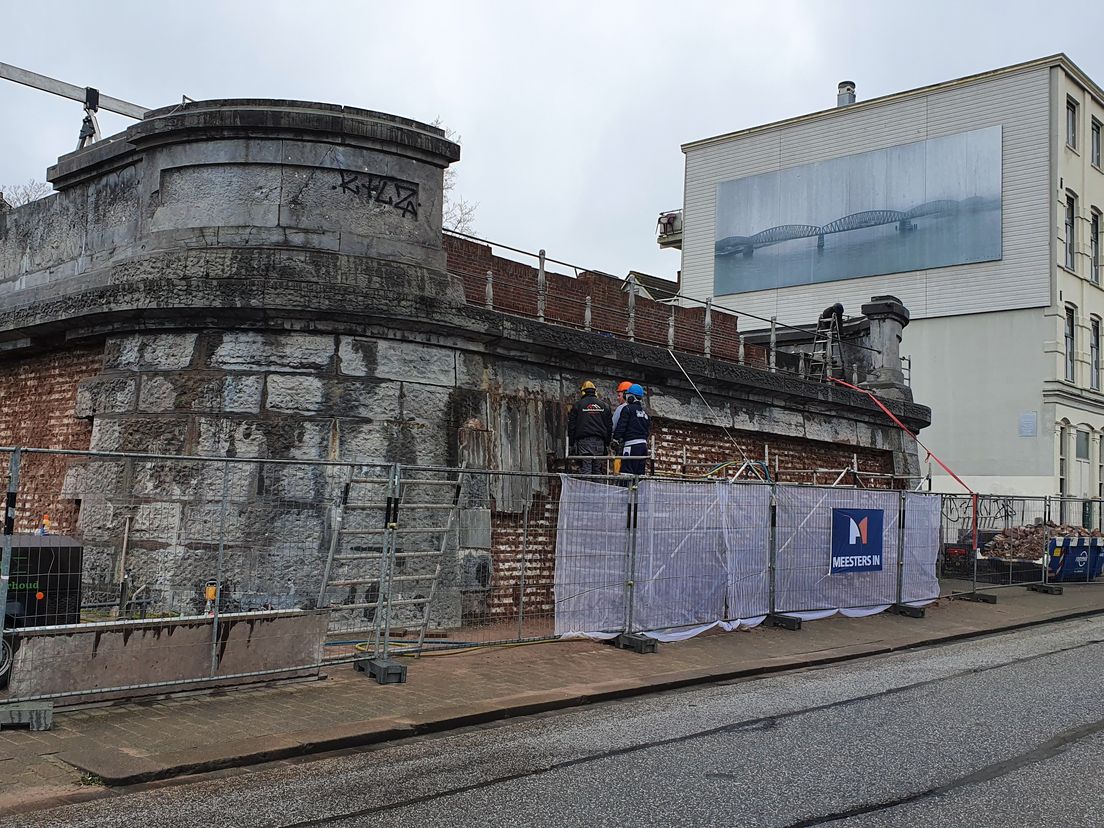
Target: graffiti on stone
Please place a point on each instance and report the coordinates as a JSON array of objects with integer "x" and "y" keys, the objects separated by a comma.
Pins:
[{"x": 380, "y": 189}]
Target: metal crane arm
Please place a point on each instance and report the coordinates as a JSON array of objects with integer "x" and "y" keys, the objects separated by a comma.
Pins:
[{"x": 68, "y": 90}]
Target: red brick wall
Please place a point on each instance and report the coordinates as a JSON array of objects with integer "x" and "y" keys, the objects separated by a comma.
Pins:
[
  {"x": 515, "y": 291},
  {"x": 37, "y": 395},
  {"x": 703, "y": 447},
  {"x": 510, "y": 551},
  {"x": 692, "y": 449}
]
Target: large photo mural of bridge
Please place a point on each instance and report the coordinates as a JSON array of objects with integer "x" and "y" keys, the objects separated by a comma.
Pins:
[{"x": 927, "y": 204}]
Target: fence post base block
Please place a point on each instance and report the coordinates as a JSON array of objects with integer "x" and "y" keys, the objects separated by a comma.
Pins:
[
  {"x": 383, "y": 670},
  {"x": 786, "y": 622},
  {"x": 636, "y": 642},
  {"x": 1046, "y": 589},
  {"x": 32, "y": 715},
  {"x": 907, "y": 611}
]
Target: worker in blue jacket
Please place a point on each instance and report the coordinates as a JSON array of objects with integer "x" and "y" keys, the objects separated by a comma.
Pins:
[{"x": 632, "y": 432}]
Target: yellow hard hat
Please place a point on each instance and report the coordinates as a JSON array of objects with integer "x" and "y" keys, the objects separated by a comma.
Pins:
[{"x": 588, "y": 386}]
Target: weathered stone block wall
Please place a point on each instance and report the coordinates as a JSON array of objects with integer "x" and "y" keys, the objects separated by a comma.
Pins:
[{"x": 268, "y": 282}]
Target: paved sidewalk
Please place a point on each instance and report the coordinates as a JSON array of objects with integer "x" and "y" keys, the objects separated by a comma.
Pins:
[{"x": 141, "y": 741}]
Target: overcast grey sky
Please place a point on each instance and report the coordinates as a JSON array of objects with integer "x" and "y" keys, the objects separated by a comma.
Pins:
[{"x": 571, "y": 113}]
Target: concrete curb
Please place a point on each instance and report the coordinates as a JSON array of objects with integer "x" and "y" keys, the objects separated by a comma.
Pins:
[{"x": 119, "y": 769}]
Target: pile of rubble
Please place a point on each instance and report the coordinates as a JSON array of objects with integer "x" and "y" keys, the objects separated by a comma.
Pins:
[{"x": 1027, "y": 543}]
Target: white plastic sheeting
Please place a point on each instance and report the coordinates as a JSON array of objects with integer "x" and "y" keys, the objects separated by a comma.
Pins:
[
  {"x": 923, "y": 518},
  {"x": 679, "y": 576},
  {"x": 702, "y": 556},
  {"x": 592, "y": 544},
  {"x": 803, "y": 537},
  {"x": 746, "y": 512}
]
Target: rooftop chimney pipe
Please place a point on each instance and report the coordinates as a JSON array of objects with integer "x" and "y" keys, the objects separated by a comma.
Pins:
[{"x": 845, "y": 94}]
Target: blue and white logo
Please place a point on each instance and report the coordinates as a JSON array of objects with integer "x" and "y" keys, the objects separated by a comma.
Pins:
[{"x": 856, "y": 541}]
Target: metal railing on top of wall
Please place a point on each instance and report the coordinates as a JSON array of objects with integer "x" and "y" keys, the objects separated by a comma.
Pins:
[{"x": 653, "y": 322}]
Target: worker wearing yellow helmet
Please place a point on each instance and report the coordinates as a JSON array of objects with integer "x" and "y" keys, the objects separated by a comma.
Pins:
[{"x": 589, "y": 426}]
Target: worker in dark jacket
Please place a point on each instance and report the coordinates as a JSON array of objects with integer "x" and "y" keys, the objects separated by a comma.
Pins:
[
  {"x": 589, "y": 427},
  {"x": 632, "y": 432}
]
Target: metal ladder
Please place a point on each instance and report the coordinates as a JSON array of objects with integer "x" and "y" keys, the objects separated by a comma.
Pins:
[
  {"x": 421, "y": 493},
  {"x": 371, "y": 573},
  {"x": 822, "y": 360}
]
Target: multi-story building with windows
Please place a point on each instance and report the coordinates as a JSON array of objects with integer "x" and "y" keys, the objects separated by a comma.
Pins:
[{"x": 978, "y": 203}]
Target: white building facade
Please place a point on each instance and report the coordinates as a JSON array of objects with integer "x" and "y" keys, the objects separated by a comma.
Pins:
[{"x": 978, "y": 203}]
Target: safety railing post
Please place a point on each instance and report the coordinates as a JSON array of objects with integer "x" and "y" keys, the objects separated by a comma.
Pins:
[
  {"x": 490, "y": 291},
  {"x": 629, "y": 640},
  {"x": 900, "y": 545},
  {"x": 541, "y": 286},
  {"x": 708, "y": 336},
  {"x": 587, "y": 307},
  {"x": 771, "y": 357},
  {"x": 974, "y": 548},
  {"x": 630, "y": 566},
  {"x": 9, "y": 530},
  {"x": 524, "y": 567},
  {"x": 216, "y": 609},
  {"x": 1046, "y": 541},
  {"x": 387, "y": 578},
  {"x": 632, "y": 308},
  {"x": 671, "y": 329},
  {"x": 772, "y": 552}
]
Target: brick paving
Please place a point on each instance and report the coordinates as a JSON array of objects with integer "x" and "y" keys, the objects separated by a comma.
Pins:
[{"x": 159, "y": 738}]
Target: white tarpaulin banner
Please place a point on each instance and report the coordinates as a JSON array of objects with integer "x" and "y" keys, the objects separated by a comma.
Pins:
[
  {"x": 702, "y": 554},
  {"x": 592, "y": 543},
  {"x": 745, "y": 510},
  {"x": 680, "y": 555},
  {"x": 836, "y": 549},
  {"x": 923, "y": 517}
]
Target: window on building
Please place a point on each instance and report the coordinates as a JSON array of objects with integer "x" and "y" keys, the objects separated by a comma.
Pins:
[
  {"x": 1100, "y": 477},
  {"x": 1071, "y": 231},
  {"x": 1095, "y": 154},
  {"x": 1063, "y": 440},
  {"x": 1070, "y": 341},
  {"x": 1094, "y": 246},
  {"x": 1081, "y": 448},
  {"x": 1094, "y": 356},
  {"x": 1071, "y": 123}
]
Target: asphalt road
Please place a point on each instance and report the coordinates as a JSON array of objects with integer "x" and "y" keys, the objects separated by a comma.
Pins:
[{"x": 1007, "y": 730}]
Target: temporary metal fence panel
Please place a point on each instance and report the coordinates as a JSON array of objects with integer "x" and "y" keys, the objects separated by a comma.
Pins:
[
  {"x": 145, "y": 571},
  {"x": 919, "y": 580},
  {"x": 680, "y": 559},
  {"x": 592, "y": 557},
  {"x": 1012, "y": 535},
  {"x": 957, "y": 560},
  {"x": 745, "y": 509},
  {"x": 808, "y": 539}
]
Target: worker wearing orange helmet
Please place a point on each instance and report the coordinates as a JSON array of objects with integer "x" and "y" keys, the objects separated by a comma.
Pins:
[{"x": 589, "y": 426}]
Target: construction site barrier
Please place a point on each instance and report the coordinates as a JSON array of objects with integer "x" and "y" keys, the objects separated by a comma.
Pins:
[{"x": 129, "y": 574}]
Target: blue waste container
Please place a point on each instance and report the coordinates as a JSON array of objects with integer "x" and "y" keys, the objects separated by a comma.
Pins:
[{"x": 1076, "y": 559}]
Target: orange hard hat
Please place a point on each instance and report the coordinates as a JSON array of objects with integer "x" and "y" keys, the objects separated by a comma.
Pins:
[{"x": 623, "y": 387}]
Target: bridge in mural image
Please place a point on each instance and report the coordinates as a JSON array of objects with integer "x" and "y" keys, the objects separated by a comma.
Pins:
[{"x": 855, "y": 221}]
